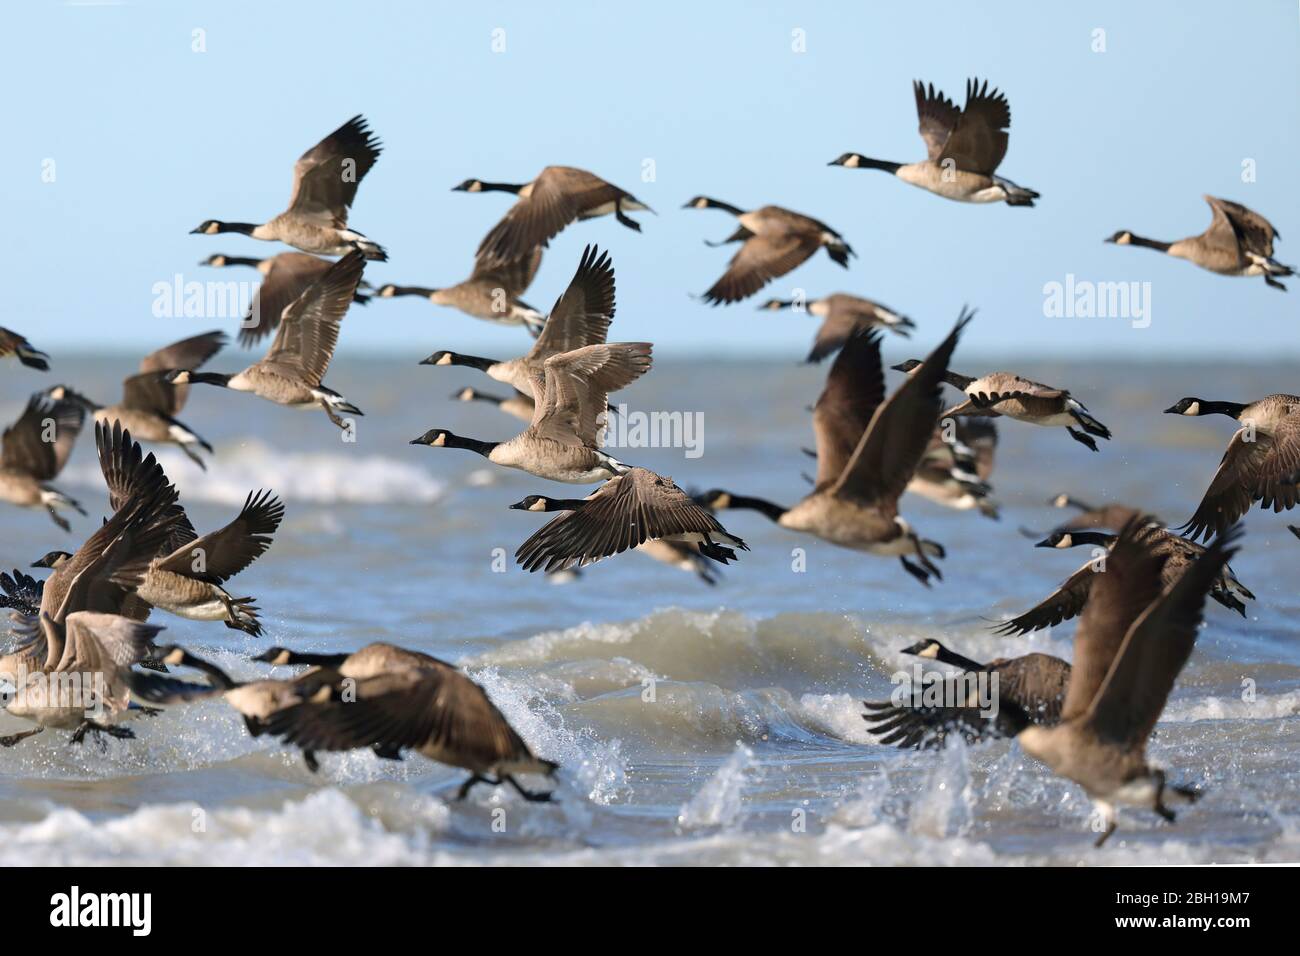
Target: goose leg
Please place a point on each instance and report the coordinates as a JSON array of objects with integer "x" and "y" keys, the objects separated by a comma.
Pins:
[
  {"x": 914, "y": 571},
  {"x": 58, "y": 518},
  {"x": 194, "y": 457},
  {"x": 468, "y": 785},
  {"x": 309, "y": 758},
  {"x": 100, "y": 731},
  {"x": 1273, "y": 282},
  {"x": 1111, "y": 827},
  {"x": 1081, "y": 437},
  {"x": 624, "y": 218},
  {"x": 334, "y": 418},
  {"x": 13, "y": 739},
  {"x": 530, "y": 795}
]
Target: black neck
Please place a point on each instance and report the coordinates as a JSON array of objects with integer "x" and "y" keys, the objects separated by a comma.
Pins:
[
  {"x": 767, "y": 508},
  {"x": 210, "y": 378},
  {"x": 243, "y": 228},
  {"x": 1148, "y": 243},
  {"x": 473, "y": 361},
  {"x": 483, "y": 448},
  {"x": 724, "y": 206},
  {"x": 946, "y": 656},
  {"x": 1075, "y": 503},
  {"x": 958, "y": 381},
  {"x": 215, "y": 674},
  {"x": 867, "y": 163},
  {"x": 317, "y": 660},
  {"x": 1090, "y": 537},
  {"x": 241, "y": 261},
  {"x": 1231, "y": 409},
  {"x": 565, "y": 504},
  {"x": 500, "y": 187},
  {"x": 413, "y": 290}
]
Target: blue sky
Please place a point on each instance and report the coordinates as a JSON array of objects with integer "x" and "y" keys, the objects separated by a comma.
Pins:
[{"x": 149, "y": 138}]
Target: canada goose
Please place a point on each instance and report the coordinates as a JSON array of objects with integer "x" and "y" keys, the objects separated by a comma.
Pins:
[
  {"x": 291, "y": 371},
  {"x": 776, "y": 241},
  {"x": 383, "y": 697},
  {"x": 518, "y": 405},
  {"x": 1259, "y": 465},
  {"x": 841, "y": 314},
  {"x": 1132, "y": 642},
  {"x": 580, "y": 317},
  {"x": 867, "y": 451},
  {"x": 680, "y": 555},
  {"x": 963, "y": 148},
  {"x": 186, "y": 576},
  {"x": 1005, "y": 393},
  {"x": 562, "y": 442},
  {"x": 1072, "y": 596},
  {"x": 75, "y": 676},
  {"x": 151, "y": 401},
  {"x": 1108, "y": 517},
  {"x": 623, "y": 513},
  {"x": 558, "y": 196},
  {"x": 11, "y": 343},
  {"x": 491, "y": 292},
  {"x": 284, "y": 277},
  {"x": 29, "y": 461},
  {"x": 325, "y": 181},
  {"x": 1238, "y": 242},
  {"x": 1030, "y": 690},
  {"x": 954, "y": 471}
]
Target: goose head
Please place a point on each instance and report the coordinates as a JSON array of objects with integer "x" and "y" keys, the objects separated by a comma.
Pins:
[
  {"x": 208, "y": 227},
  {"x": 909, "y": 366},
  {"x": 1057, "y": 539},
  {"x": 469, "y": 186},
  {"x": 929, "y": 648},
  {"x": 535, "y": 503},
  {"x": 1121, "y": 238},
  {"x": 51, "y": 559},
  {"x": 1186, "y": 406}
]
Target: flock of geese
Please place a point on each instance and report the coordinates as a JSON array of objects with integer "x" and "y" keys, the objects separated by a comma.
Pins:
[{"x": 1139, "y": 607}]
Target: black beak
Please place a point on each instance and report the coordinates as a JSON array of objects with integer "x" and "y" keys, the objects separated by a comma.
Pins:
[
  {"x": 1045, "y": 543},
  {"x": 519, "y": 506},
  {"x": 428, "y": 361},
  {"x": 897, "y": 368},
  {"x": 417, "y": 441},
  {"x": 1172, "y": 410},
  {"x": 1109, "y": 239},
  {"x": 196, "y": 232}
]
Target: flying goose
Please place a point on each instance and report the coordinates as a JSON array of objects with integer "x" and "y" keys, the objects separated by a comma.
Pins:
[
  {"x": 518, "y": 405},
  {"x": 32, "y": 455},
  {"x": 580, "y": 317},
  {"x": 1107, "y": 517},
  {"x": 1238, "y": 242},
  {"x": 868, "y": 448},
  {"x": 558, "y": 196},
  {"x": 963, "y": 148},
  {"x": 625, "y": 512},
  {"x": 1259, "y": 465},
  {"x": 776, "y": 241},
  {"x": 1005, "y": 393},
  {"x": 75, "y": 675},
  {"x": 325, "y": 181},
  {"x": 1030, "y": 690},
  {"x": 841, "y": 314},
  {"x": 563, "y": 441},
  {"x": 284, "y": 277},
  {"x": 381, "y": 697},
  {"x": 151, "y": 400},
  {"x": 1133, "y": 640},
  {"x": 186, "y": 576},
  {"x": 291, "y": 371},
  {"x": 491, "y": 292},
  {"x": 11, "y": 343},
  {"x": 955, "y": 471},
  {"x": 1072, "y": 596}
]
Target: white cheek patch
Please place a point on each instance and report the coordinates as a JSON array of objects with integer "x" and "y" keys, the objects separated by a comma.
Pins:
[
  {"x": 1193, "y": 409},
  {"x": 445, "y": 360},
  {"x": 932, "y": 651},
  {"x": 440, "y": 440}
]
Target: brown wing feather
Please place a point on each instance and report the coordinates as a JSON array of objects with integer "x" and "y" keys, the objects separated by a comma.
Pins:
[
  {"x": 979, "y": 140},
  {"x": 326, "y": 177}
]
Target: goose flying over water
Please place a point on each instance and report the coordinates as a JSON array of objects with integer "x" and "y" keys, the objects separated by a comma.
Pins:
[
  {"x": 291, "y": 371},
  {"x": 284, "y": 278},
  {"x": 841, "y": 315},
  {"x": 776, "y": 241},
  {"x": 11, "y": 343},
  {"x": 1238, "y": 242},
  {"x": 1133, "y": 640},
  {"x": 30, "y": 460},
  {"x": 151, "y": 400},
  {"x": 963, "y": 148},
  {"x": 491, "y": 292},
  {"x": 1030, "y": 690},
  {"x": 624, "y": 513},
  {"x": 1005, "y": 393},
  {"x": 562, "y": 443},
  {"x": 1261, "y": 462},
  {"x": 325, "y": 181},
  {"x": 868, "y": 449},
  {"x": 558, "y": 196},
  {"x": 955, "y": 471}
]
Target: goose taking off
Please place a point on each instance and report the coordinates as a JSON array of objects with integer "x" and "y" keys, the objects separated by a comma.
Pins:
[
  {"x": 868, "y": 449},
  {"x": 325, "y": 181},
  {"x": 1238, "y": 242},
  {"x": 382, "y": 697},
  {"x": 955, "y": 470},
  {"x": 841, "y": 315},
  {"x": 31, "y": 456},
  {"x": 776, "y": 241},
  {"x": 1072, "y": 596},
  {"x": 151, "y": 400},
  {"x": 1030, "y": 690},
  {"x": 624, "y": 513},
  {"x": 291, "y": 371},
  {"x": 284, "y": 278},
  {"x": 491, "y": 292},
  {"x": 1005, "y": 393},
  {"x": 562, "y": 443},
  {"x": 1133, "y": 640},
  {"x": 558, "y": 196},
  {"x": 963, "y": 148},
  {"x": 11, "y": 343},
  {"x": 580, "y": 317},
  {"x": 1260, "y": 464}
]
